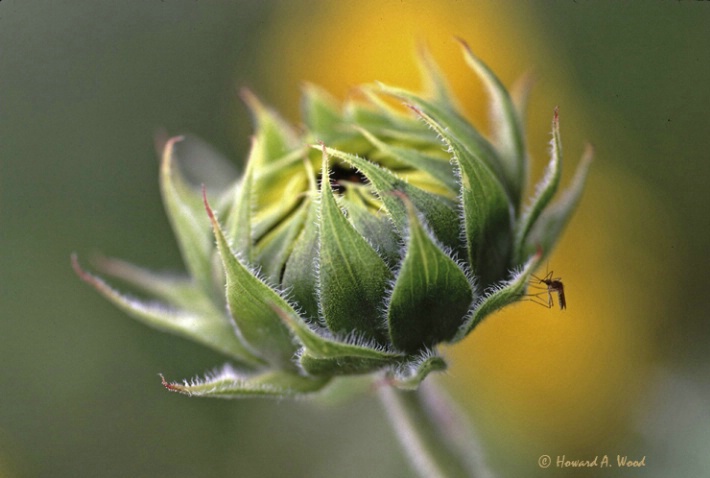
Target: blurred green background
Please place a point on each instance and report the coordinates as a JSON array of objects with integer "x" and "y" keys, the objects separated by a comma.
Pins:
[{"x": 84, "y": 85}]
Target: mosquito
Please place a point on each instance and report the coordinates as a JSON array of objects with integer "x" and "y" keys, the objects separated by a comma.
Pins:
[{"x": 552, "y": 284}]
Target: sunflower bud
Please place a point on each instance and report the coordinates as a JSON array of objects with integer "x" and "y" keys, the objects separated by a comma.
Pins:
[{"x": 355, "y": 245}]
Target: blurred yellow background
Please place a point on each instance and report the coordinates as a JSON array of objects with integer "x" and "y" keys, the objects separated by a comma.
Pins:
[
  {"x": 622, "y": 371},
  {"x": 567, "y": 380}
]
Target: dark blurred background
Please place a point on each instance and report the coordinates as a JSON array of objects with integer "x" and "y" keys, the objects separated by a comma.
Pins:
[{"x": 84, "y": 85}]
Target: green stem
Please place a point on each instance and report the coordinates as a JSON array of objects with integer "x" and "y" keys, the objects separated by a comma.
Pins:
[{"x": 434, "y": 434}]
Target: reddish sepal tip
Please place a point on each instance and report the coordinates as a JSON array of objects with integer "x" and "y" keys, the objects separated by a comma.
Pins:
[
  {"x": 462, "y": 42},
  {"x": 83, "y": 275},
  {"x": 414, "y": 108},
  {"x": 210, "y": 213},
  {"x": 169, "y": 386}
]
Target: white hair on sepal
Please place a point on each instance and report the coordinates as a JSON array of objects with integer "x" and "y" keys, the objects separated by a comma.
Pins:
[
  {"x": 472, "y": 279},
  {"x": 399, "y": 237},
  {"x": 376, "y": 247},
  {"x": 321, "y": 328},
  {"x": 322, "y": 322},
  {"x": 227, "y": 373},
  {"x": 415, "y": 361},
  {"x": 296, "y": 359},
  {"x": 384, "y": 307},
  {"x": 256, "y": 271},
  {"x": 287, "y": 292},
  {"x": 553, "y": 166},
  {"x": 383, "y": 257},
  {"x": 238, "y": 331},
  {"x": 320, "y": 319},
  {"x": 354, "y": 338},
  {"x": 290, "y": 301},
  {"x": 302, "y": 316},
  {"x": 450, "y": 253},
  {"x": 419, "y": 114},
  {"x": 253, "y": 269},
  {"x": 391, "y": 283},
  {"x": 318, "y": 201},
  {"x": 357, "y": 338},
  {"x": 455, "y": 163},
  {"x": 500, "y": 285},
  {"x": 381, "y": 252},
  {"x": 458, "y": 174},
  {"x": 282, "y": 293},
  {"x": 516, "y": 275},
  {"x": 387, "y": 214},
  {"x": 382, "y": 310},
  {"x": 408, "y": 370}
]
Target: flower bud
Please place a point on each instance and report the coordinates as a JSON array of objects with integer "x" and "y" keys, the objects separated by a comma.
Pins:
[{"x": 358, "y": 244}]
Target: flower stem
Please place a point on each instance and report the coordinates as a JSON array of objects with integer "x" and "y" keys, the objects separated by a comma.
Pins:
[{"x": 435, "y": 435}]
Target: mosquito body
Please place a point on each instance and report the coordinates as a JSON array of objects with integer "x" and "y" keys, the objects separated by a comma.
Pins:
[{"x": 551, "y": 284}]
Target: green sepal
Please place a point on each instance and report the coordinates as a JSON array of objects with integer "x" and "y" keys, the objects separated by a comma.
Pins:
[
  {"x": 455, "y": 124},
  {"x": 277, "y": 190},
  {"x": 274, "y": 248},
  {"x": 299, "y": 276},
  {"x": 486, "y": 207},
  {"x": 249, "y": 300},
  {"x": 277, "y": 206},
  {"x": 274, "y": 134},
  {"x": 438, "y": 168},
  {"x": 184, "y": 210},
  {"x": 410, "y": 374},
  {"x": 440, "y": 213},
  {"x": 421, "y": 139},
  {"x": 509, "y": 134},
  {"x": 377, "y": 113},
  {"x": 352, "y": 276},
  {"x": 177, "y": 290},
  {"x": 520, "y": 96},
  {"x": 324, "y": 344},
  {"x": 373, "y": 225},
  {"x": 435, "y": 85},
  {"x": 544, "y": 191},
  {"x": 431, "y": 295},
  {"x": 550, "y": 224},
  {"x": 325, "y": 354},
  {"x": 202, "y": 164},
  {"x": 205, "y": 325},
  {"x": 231, "y": 383},
  {"x": 321, "y": 114},
  {"x": 499, "y": 296},
  {"x": 346, "y": 365},
  {"x": 238, "y": 222},
  {"x": 278, "y": 177}
]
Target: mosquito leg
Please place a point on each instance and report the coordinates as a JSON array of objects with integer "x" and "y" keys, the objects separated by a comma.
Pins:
[
  {"x": 538, "y": 302},
  {"x": 538, "y": 286},
  {"x": 536, "y": 298}
]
